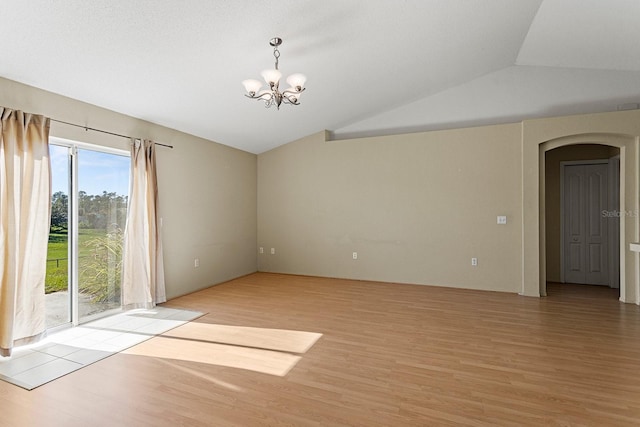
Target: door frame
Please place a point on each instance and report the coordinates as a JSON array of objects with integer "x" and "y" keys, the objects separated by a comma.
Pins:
[
  {"x": 615, "y": 178},
  {"x": 614, "y": 187},
  {"x": 72, "y": 251},
  {"x": 534, "y": 267}
]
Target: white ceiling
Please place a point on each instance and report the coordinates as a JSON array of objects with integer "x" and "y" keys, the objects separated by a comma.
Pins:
[{"x": 373, "y": 66}]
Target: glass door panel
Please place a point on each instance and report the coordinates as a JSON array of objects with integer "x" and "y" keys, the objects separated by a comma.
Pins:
[
  {"x": 57, "y": 295},
  {"x": 103, "y": 186},
  {"x": 88, "y": 214}
]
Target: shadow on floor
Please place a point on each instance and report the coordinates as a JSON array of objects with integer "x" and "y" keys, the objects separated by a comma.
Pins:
[{"x": 578, "y": 291}]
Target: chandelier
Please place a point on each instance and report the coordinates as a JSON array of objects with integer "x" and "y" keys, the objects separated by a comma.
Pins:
[{"x": 272, "y": 95}]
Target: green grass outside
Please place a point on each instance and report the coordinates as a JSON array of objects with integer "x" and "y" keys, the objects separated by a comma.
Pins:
[{"x": 57, "y": 271}]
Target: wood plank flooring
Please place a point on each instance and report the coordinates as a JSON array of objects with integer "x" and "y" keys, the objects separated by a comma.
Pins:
[{"x": 389, "y": 355}]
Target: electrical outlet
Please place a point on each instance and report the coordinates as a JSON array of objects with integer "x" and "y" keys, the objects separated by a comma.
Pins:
[
  {"x": 273, "y": 251},
  {"x": 196, "y": 262},
  {"x": 502, "y": 219},
  {"x": 261, "y": 250},
  {"x": 474, "y": 261},
  {"x": 355, "y": 255}
]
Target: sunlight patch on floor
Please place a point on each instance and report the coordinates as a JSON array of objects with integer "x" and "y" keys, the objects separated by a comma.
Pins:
[
  {"x": 268, "y": 351},
  {"x": 268, "y": 339},
  {"x": 68, "y": 350}
]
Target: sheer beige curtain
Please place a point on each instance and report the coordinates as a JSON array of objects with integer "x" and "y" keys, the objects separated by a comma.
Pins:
[
  {"x": 142, "y": 265},
  {"x": 25, "y": 204}
]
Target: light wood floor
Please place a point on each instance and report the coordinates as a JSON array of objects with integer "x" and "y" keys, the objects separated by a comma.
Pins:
[{"x": 389, "y": 355}]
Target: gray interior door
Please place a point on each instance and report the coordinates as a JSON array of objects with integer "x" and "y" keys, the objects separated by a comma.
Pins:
[{"x": 586, "y": 254}]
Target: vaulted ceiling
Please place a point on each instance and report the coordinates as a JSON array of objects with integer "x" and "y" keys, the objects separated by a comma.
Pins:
[{"x": 373, "y": 66}]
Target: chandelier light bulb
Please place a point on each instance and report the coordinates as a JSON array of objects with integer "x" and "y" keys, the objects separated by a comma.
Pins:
[
  {"x": 272, "y": 77},
  {"x": 297, "y": 81},
  {"x": 252, "y": 86}
]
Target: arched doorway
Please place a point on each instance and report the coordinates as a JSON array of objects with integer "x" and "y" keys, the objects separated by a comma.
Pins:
[
  {"x": 613, "y": 142},
  {"x": 582, "y": 218}
]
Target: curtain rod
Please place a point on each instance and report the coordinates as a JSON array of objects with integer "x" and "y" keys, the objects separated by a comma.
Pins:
[{"x": 104, "y": 131}]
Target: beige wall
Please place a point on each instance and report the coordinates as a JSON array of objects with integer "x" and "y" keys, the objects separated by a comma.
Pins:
[
  {"x": 552, "y": 195},
  {"x": 207, "y": 191},
  {"x": 415, "y": 207}
]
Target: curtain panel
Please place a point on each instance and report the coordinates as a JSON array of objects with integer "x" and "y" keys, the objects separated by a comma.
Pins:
[
  {"x": 25, "y": 205},
  {"x": 143, "y": 284}
]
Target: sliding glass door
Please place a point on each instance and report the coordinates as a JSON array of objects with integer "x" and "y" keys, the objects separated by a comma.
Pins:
[{"x": 85, "y": 243}]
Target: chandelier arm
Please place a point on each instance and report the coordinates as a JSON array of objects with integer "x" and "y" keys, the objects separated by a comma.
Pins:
[
  {"x": 287, "y": 100},
  {"x": 293, "y": 92},
  {"x": 268, "y": 102},
  {"x": 262, "y": 97}
]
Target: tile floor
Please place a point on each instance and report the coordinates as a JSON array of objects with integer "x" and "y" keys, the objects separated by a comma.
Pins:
[{"x": 71, "y": 349}]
